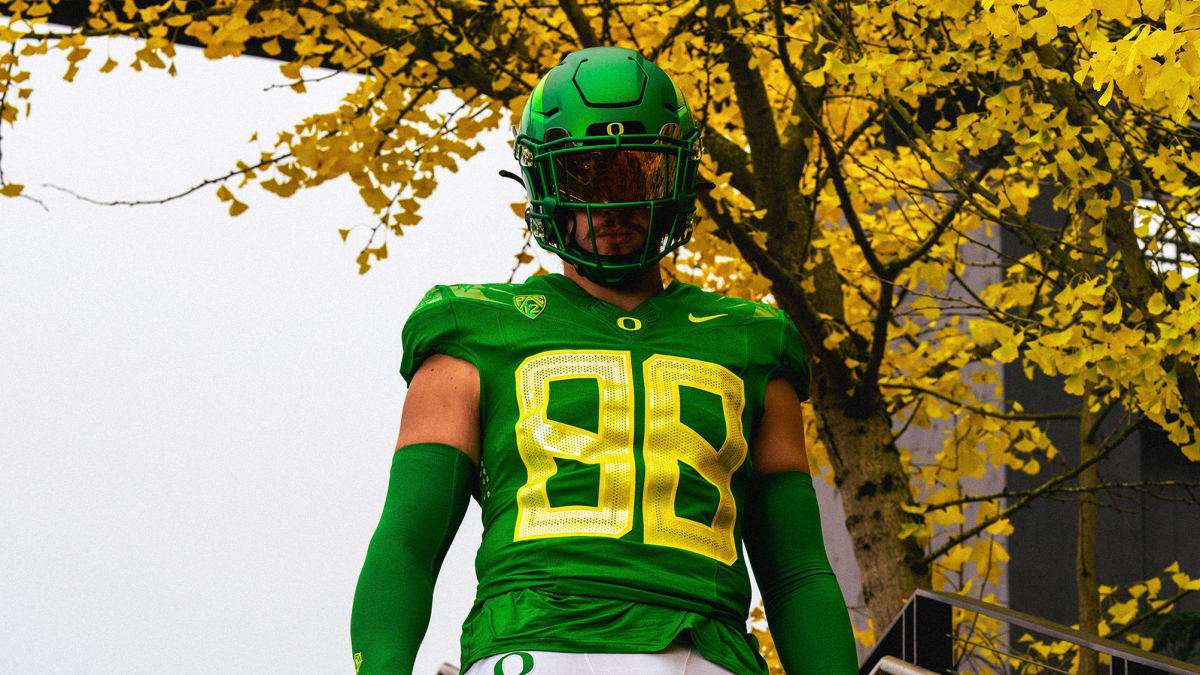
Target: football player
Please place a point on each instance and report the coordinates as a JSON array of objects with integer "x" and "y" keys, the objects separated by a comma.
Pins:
[{"x": 622, "y": 438}]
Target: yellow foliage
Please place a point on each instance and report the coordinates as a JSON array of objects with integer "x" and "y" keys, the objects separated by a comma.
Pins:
[{"x": 1064, "y": 310}]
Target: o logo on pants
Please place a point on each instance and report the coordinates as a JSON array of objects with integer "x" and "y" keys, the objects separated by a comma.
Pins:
[{"x": 526, "y": 663}]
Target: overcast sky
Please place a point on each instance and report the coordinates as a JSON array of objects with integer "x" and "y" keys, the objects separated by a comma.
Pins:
[{"x": 197, "y": 412}]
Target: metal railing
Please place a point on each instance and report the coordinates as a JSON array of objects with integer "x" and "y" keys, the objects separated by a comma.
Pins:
[
  {"x": 894, "y": 666},
  {"x": 923, "y": 634}
]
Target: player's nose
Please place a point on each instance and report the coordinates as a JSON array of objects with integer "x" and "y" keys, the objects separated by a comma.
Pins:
[{"x": 601, "y": 217}]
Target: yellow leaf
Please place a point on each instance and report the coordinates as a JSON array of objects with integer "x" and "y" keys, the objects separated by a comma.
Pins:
[
  {"x": 944, "y": 162},
  {"x": 344, "y": 233},
  {"x": 11, "y": 189},
  {"x": 237, "y": 208},
  {"x": 1074, "y": 384},
  {"x": 1185, "y": 583},
  {"x": 290, "y": 70},
  {"x": 224, "y": 194},
  {"x": 272, "y": 47},
  {"x": 1156, "y": 304},
  {"x": 1173, "y": 280},
  {"x": 374, "y": 197},
  {"x": 1007, "y": 353},
  {"x": 518, "y": 208},
  {"x": 866, "y": 636},
  {"x": 1123, "y": 612},
  {"x": 108, "y": 65},
  {"x": 1058, "y": 339},
  {"x": 1045, "y": 28},
  {"x": 524, "y": 258},
  {"x": 1069, "y": 12},
  {"x": 1112, "y": 9},
  {"x": 407, "y": 218},
  {"x": 1001, "y": 527},
  {"x": 1154, "y": 586},
  {"x": 1114, "y": 315}
]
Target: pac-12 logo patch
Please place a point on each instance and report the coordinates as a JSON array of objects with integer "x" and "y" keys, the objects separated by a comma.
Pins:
[{"x": 530, "y": 305}]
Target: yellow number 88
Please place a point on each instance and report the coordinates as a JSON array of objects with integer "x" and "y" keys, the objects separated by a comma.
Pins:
[{"x": 667, "y": 442}]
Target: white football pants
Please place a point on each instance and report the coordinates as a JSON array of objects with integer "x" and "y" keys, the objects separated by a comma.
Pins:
[{"x": 674, "y": 660}]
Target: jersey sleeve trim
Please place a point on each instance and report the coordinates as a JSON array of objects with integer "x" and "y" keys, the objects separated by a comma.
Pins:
[{"x": 434, "y": 328}]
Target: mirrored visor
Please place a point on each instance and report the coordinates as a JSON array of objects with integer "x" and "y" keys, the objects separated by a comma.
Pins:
[{"x": 617, "y": 175}]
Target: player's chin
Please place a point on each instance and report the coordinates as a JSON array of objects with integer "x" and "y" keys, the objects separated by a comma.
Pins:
[{"x": 620, "y": 245}]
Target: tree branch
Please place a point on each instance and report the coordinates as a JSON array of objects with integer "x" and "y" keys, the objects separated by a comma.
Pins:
[
  {"x": 1027, "y": 417},
  {"x": 1046, "y": 487},
  {"x": 731, "y": 158},
  {"x": 758, "y": 121},
  {"x": 163, "y": 200},
  {"x": 1154, "y": 611},
  {"x": 587, "y": 36},
  {"x": 1069, "y": 489}
]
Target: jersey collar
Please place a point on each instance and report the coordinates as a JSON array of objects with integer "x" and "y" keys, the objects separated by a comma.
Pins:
[{"x": 647, "y": 311}]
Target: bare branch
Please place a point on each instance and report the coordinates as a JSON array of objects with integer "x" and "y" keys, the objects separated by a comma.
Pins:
[{"x": 164, "y": 200}]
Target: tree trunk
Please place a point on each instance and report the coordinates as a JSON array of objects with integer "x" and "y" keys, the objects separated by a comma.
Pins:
[
  {"x": 873, "y": 486},
  {"x": 1085, "y": 561}
]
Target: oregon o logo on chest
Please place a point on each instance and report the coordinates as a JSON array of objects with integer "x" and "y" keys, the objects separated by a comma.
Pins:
[
  {"x": 615, "y": 128},
  {"x": 629, "y": 323}
]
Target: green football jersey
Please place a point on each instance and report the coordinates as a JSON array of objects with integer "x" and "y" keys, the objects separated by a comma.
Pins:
[{"x": 614, "y": 461}]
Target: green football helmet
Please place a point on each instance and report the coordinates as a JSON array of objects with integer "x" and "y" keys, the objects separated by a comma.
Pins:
[{"x": 606, "y": 129}]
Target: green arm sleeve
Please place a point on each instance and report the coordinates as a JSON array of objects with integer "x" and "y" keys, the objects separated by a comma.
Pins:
[
  {"x": 805, "y": 609},
  {"x": 426, "y": 498}
]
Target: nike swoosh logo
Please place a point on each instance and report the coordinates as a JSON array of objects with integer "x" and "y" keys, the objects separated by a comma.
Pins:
[{"x": 701, "y": 319}]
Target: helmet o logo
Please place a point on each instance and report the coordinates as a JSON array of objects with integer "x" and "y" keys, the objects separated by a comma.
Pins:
[
  {"x": 629, "y": 323},
  {"x": 615, "y": 128}
]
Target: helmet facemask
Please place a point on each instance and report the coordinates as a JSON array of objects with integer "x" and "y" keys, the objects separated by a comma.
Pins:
[{"x": 655, "y": 172}]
